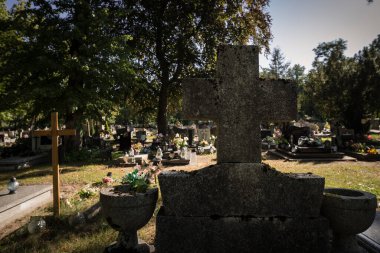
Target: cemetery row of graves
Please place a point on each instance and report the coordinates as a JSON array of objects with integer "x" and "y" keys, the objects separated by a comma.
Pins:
[
  {"x": 301, "y": 139},
  {"x": 124, "y": 149}
]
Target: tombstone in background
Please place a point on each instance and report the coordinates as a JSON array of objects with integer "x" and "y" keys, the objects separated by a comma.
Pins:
[
  {"x": 184, "y": 131},
  {"x": 204, "y": 134},
  {"x": 240, "y": 205},
  {"x": 265, "y": 132},
  {"x": 293, "y": 133},
  {"x": 345, "y": 136},
  {"x": 41, "y": 143},
  {"x": 141, "y": 136},
  {"x": 374, "y": 124},
  {"x": 124, "y": 135}
]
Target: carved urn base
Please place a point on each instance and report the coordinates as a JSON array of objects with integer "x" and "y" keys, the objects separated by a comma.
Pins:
[
  {"x": 126, "y": 213},
  {"x": 349, "y": 212}
]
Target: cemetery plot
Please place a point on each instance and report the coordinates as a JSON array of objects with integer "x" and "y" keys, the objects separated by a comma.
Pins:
[
  {"x": 24, "y": 201},
  {"x": 16, "y": 163}
]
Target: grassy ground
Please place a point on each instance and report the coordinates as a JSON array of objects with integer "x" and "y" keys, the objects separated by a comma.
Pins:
[
  {"x": 363, "y": 176},
  {"x": 93, "y": 237}
]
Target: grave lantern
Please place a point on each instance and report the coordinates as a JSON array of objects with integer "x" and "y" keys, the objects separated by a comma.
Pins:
[{"x": 12, "y": 185}]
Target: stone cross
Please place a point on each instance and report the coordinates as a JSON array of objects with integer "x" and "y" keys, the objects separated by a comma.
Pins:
[
  {"x": 238, "y": 100},
  {"x": 54, "y": 132}
]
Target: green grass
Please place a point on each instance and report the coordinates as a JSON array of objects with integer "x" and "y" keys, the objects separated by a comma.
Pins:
[
  {"x": 60, "y": 237},
  {"x": 363, "y": 176}
]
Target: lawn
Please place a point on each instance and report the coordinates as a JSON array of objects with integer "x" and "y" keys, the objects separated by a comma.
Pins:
[{"x": 93, "y": 237}]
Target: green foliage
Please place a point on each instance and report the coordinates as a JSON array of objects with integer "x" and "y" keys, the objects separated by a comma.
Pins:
[
  {"x": 278, "y": 67},
  {"x": 68, "y": 56},
  {"x": 86, "y": 193},
  {"x": 138, "y": 182},
  {"x": 343, "y": 88},
  {"x": 87, "y": 155},
  {"x": 177, "y": 39}
]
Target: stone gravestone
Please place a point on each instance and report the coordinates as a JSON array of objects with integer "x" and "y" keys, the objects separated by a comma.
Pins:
[
  {"x": 240, "y": 204},
  {"x": 204, "y": 134}
]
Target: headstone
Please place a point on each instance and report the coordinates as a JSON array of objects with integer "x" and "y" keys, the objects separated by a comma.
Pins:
[
  {"x": 204, "y": 134},
  {"x": 125, "y": 138},
  {"x": 141, "y": 136},
  {"x": 375, "y": 124},
  {"x": 41, "y": 143},
  {"x": 240, "y": 205},
  {"x": 265, "y": 133}
]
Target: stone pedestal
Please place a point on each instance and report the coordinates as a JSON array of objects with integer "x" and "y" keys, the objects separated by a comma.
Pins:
[
  {"x": 240, "y": 207},
  {"x": 240, "y": 234}
]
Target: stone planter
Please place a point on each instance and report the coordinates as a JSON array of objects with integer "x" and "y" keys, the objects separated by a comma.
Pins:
[
  {"x": 127, "y": 213},
  {"x": 349, "y": 212}
]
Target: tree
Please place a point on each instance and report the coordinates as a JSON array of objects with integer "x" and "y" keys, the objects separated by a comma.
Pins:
[
  {"x": 73, "y": 58},
  {"x": 343, "y": 88},
  {"x": 278, "y": 67},
  {"x": 176, "y": 39}
]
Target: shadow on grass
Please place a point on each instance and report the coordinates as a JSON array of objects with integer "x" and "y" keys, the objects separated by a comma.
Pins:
[{"x": 58, "y": 231}]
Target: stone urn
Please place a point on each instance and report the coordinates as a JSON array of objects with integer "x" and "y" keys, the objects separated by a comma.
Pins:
[
  {"x": 127, "y": 212},
  {"x": 349, "y": 212}
]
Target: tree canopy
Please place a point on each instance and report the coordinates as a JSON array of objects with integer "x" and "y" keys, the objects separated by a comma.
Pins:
[
  {"x": 70, "y": 56},
  {"x": 82, "y": 58},
  {"x": 342, "y": 88},
  {"x": 177, "y": 39}
]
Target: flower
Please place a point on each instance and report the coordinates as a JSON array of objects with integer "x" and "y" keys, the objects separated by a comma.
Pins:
[
  {"x": 107, "y": 180},
  {"x": 138, "y": 146},
  {"x": 140, "y": 178}
]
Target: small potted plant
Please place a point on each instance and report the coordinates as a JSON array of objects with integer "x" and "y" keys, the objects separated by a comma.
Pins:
[{"x": 128, "y": 206}]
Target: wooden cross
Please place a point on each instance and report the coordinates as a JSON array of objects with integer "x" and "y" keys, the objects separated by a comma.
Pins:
[
  {"x": 238, "y": 100},
  {"x": 54, "y": 132}
]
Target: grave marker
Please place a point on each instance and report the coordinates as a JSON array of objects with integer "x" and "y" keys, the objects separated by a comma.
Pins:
[
  {"x": 55, "y": 132},
  {"x": 238, "y": 101},
  {"x": 240, "y": 204}
]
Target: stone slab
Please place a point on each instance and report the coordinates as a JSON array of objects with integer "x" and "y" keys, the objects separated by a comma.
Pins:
[
  {"x": 238, "y": 189},
  {"x": 370, "y": 239},
  {"x": 240, "y": 234},
  {"x": 289, "y": 156},
  {"x": 17, "y": 162},
  {"x": 25, "y": 200}
]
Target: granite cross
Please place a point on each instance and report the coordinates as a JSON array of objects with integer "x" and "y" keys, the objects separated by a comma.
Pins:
[
  {"x": 238, "y": 100},
  {"x": 54, "y": 132}
]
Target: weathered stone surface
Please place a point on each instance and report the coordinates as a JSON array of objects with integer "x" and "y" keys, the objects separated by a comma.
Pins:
[
  {"x": 240, "y": 234},
  {"x": 238, "y": 101},
  {"x": 241, "y": 189}
]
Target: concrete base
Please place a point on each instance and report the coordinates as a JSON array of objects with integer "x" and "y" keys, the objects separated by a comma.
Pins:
[
  {"x": 288, "y": 156},
  {"x": 240, "y": 189},
  {"x": 370, "y": 239},
  {"x": 24, "y": 201},
  {"x": 240, "y": 234}
]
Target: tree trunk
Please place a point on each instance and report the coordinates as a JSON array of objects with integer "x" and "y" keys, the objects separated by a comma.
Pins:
[
  {"x": 162, "y": 121},
  {"x": 73, "y": 121}
]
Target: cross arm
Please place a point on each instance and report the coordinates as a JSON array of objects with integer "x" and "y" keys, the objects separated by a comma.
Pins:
[
  {"x": 49, "y": 132},
  {"x": 41, "y": 133},
  {"x": 199, "y": 98},
  {"x": 279, "y": 102},
  {"x": 66, "y": 132}
]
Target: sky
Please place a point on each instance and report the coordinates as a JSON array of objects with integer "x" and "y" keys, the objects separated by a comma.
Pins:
[{"x": 298, "y": 26}]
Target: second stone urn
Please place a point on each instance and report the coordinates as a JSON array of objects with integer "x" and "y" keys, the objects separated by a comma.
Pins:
[
  {"x": 349, "y": 212},
  {"x": 126, "y": 213}
]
